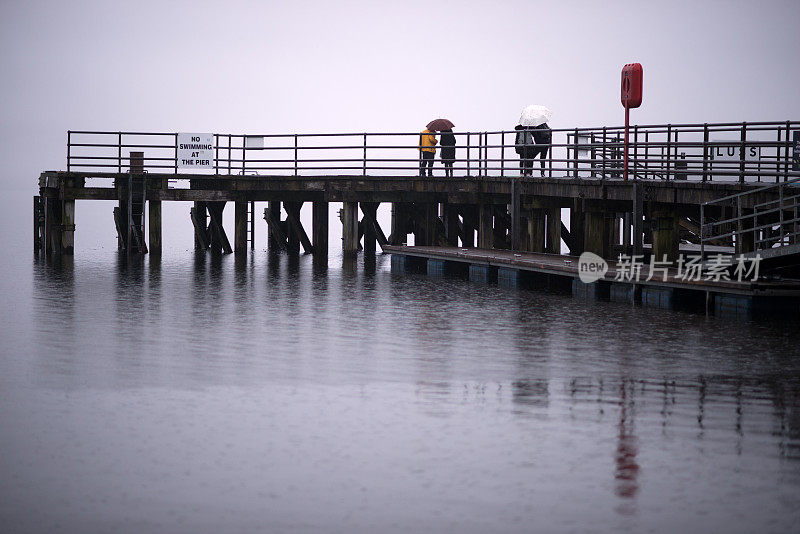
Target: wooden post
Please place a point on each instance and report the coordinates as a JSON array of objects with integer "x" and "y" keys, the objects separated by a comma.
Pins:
[
  {"x": 319, "y": 228},
  {"x": 154, "y": 208},
  {"x": 68, "y": 227},
  {"x": 536, "y": 222},
  {"x": 485, "y": 226},
  {"x": 452, "y": 224},
  {"x": 665, "y": 233},
  {"x": 577, "y": 228},
  {"x": 431, "y": 223},
  {"x": 292, "y": 237},
  {"x": 637, "y": 225},
  {"x": 470, "y": 222},
  {"x": 370, "y": 239},
  {"x": 202, "y": 218},
  {"x": 350, "y": 227},
  {"x": 596, "y": 238},
  {"x": 276, "y": 240},
  {"x": 240, "y": 227},
  {"x": 398, "y": 232},
  {"x": 515, "y": 227},
  {"x": 52, "y": 218},
  {"x": 553, "y": 215}
]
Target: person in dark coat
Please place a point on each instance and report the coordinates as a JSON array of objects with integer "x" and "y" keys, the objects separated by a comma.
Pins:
[
  {"x": 543, "y": 137},
  {"x": 448, "y": 153},
  {"x": 523, "y": 145}
]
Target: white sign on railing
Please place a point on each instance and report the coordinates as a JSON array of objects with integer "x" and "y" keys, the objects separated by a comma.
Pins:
[
  {"x": 196, "y": 150},
  {"x": 732, "y": 151}
]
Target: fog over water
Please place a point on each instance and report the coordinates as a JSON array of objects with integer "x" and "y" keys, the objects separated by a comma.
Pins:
[{"x": 202, "y": 393}]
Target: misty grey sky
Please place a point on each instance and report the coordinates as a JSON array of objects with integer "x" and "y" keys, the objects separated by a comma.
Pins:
[{"x": 269, "y": 67}]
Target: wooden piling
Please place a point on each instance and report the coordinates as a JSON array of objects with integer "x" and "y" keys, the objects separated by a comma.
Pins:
[
  {"x": 596, "y": 238},
  {"x": 398, "y": 231},
  {"x": 469, "y": 216},
  {"x": 154, "y": 216},
  {"x": 665, "y": 233},
  {"x": 577, "y": 228},
  {"x": 485, "y": 225},
  {"x": 240, "y": 227},
  {"x": 200, "y": 215},
  {"x": 292, "y": 235},
  {"x": 350, "y": 239},
  {"x": 553, "y": 223},
  {"x": 319, "y": 228},
  {"x": 370, "y": 238},
  {"x": 536, "y": 230}
]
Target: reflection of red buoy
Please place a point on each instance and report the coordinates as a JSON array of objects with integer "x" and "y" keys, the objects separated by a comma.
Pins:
[{"x": 627, "y": 470}]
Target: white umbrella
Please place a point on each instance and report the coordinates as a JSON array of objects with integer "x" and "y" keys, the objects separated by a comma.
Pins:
[{"x": 534, "y": 115}]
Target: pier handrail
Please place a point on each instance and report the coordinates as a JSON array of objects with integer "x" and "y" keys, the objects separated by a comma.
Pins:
[
  {"x": 771, "y": 225},
  {"x": 743, "y": 152}
]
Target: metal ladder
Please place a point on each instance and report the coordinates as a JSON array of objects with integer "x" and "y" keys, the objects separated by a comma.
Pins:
[{"x": 137, "y": 195}]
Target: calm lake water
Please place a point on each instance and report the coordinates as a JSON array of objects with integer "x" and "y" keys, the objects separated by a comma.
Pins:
[{"x": 203, "y": 394}]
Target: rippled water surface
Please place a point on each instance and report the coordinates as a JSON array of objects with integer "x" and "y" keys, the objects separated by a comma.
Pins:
[{"x": 203, "y": 394}]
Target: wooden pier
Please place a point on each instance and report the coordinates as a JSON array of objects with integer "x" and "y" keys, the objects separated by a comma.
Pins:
[{"x": 669, "y": 205}]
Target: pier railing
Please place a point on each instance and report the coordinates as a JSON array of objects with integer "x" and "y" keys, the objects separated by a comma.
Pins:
[
  {"x": 739, "y": 152},
  {"x": 765, "y": 227}
]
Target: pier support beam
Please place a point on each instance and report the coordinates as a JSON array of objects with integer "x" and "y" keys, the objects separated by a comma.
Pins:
[
  {"x": 276, "y": 240},
  {"x": 154, "y": 214},
  {"x": 68, "y": 227},
  {"x": 595, "y": 237},
  {"x": 485, "y": 226},
  {"x": 350, "y": 227},
  {"x": 399, "y": 229},
  {"x": 536, "y": 228},
  {"x": 292, "y": 238},
  {"x": 370, "y": 211},
  {"x": 297, "y": 234},
  {"x": 240, "y": 228},
  {"x": 319, "y": 228},
  {"x": 219, "y": 239},
  {"x": 665, "y": 233},
  {"x": 452, "y": 224},
  {"x": 577, "y": 228},
  {"x": 553, "y": 230},
  {"x": 200, "y": 220},
  {"x": 469, "y": 224}
]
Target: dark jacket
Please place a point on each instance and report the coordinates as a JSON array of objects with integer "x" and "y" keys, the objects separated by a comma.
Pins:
[
  {"x": 542, "y": 134},
  {"x": 448, "y": 144}
]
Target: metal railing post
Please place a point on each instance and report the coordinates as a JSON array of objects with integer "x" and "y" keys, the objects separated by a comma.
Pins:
[
  {"x": 119, "y": 154},
  {"x": 742, "y": 152},
  {"x": 230, "y": 144},
  {"x": 176, "y": 153},
  {"x": 669, "y": 150},
  {"x": 702, "y": 231},
  {"x": 365, "y": 155},
  {"x": 787, "y": 159},
  {"x": 244, "y": 155},
  {"x": 635, "y": 150},
  {"x": 69, "y": 149},
  {"x": 502, "y": 154},
  {"x": 780, "y": 214},
  {"x": 216, "y": 154},
  {"x": 295, "y": 155},
  {"x": 705, "y": 151},
  {"x": 605, "y": 154},
  {"x": 468, "y": 153},
  {"x": 575, "y": 148}
]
